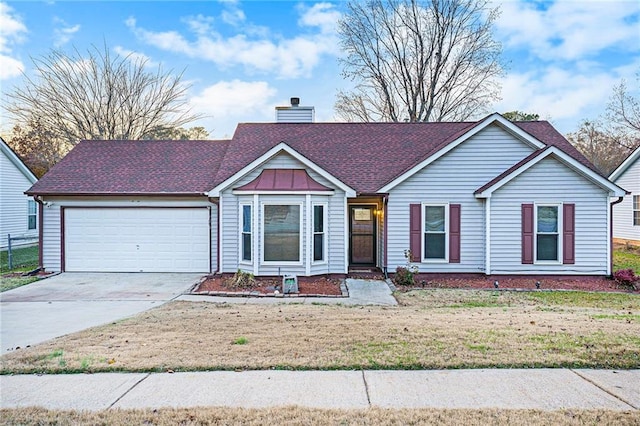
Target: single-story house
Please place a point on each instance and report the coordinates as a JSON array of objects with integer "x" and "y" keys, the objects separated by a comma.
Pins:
[
  {"x": 626, "y": 215},
  {"x": 306, "y": 198},
  {"x": 18, "y": 212}
]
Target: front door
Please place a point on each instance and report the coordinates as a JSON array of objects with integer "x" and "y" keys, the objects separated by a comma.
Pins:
[{"x": 362, "y": 235}]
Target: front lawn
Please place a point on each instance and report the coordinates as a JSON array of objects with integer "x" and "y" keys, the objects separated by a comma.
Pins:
[
  {"x": 314, "y": 416},
  {"x": 431, "y": 329}
]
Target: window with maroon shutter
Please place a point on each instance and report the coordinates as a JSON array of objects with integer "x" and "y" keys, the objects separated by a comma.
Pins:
[
  {"x": 454, "y": 233},
  {"x": 568, "y": 234},
  {"x": 527, "y": 233},
  {"x": 415, "y": 231}
]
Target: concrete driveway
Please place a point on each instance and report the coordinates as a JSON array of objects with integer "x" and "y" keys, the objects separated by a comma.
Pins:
[{"x": 71, "y": 302}]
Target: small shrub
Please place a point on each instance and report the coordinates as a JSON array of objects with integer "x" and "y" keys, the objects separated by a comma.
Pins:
[
  {"x": 403, "y": 276},
  {"x": 240, "y": 279},
  {"x": 626, "y": 278}
]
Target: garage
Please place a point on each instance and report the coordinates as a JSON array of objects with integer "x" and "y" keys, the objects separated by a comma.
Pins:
[{"x": 136, "y": 239}]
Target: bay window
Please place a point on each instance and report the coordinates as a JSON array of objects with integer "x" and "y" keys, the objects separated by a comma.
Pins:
[
  {"x": 281, "y": 233},
  {"x": 319, "y": 232}
]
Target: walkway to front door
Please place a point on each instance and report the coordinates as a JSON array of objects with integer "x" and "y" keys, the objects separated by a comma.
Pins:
[{"x": 362, "y": 235}]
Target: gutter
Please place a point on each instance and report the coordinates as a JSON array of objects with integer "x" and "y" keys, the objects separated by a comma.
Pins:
[
  {"x": 613, "y": 203},
  {"x": 38, "y": 199}
]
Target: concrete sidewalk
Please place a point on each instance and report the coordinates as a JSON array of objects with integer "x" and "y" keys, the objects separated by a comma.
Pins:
[
  {"x": 361, "y": 292},
  {"x": 545, "y": 389}
]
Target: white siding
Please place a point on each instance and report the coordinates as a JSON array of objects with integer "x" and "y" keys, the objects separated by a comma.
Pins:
[
  {"x": 453, "y": 179},
  {"x": 13, "y": 202},
  {"x": 230, "y": 224},
  {"x": 295, "y": 114},
  {"x": 623, "y": 212},
  {"x": 550, "y": 182},
  {"x": 51, "y": 238}
]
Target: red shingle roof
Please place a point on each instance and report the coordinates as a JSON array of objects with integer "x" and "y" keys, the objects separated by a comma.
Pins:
[
  {"x": 135, "y": 167},
  {"x": 365, "y": 156}
]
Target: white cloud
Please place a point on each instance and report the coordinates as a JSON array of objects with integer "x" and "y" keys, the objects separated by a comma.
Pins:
[
  {"x": 64, "y": 32},
  {"x": 322, "y": 15},
  {"x": 226, "y": 103},
  {"x": 563, "y": 96},
  {"x": 254, "y": 48},
  {"x": 10, "y": 68},
  {"x": 12, "y": 31},
  {"x": 569, "y": 30},
  {"x": 135, "y": 56}
]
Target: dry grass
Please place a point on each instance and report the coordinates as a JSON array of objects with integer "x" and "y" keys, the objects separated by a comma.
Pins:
[
  {"x": 431, "y": 329},
  {"x": 308, "y": 416}
]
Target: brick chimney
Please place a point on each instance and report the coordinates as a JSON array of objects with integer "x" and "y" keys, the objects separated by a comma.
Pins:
[{"x": 295, "y": 113}]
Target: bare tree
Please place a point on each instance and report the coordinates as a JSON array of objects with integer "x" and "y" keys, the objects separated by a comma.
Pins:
[
  {"x": 418, "y": 60},
  {"x": 99, "y": 97},
  {"x": 178, "y": 133},
  {"x": 603, "y": 148},
  {"x": 623, "y": 113}
]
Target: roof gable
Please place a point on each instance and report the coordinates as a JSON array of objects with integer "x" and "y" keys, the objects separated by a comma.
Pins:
[
  {"x": 17, "y": 162},
  {"x": 461, "y": 137},
  {"x": 499, "y": 181},
  {"x": 274, "y": 151},
  {"x": 625, "y": 165}
]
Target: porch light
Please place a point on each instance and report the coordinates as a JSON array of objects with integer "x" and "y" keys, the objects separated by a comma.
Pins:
[
  {"x": 496, "y": 284},
  {"x": 538, "y": 284}
]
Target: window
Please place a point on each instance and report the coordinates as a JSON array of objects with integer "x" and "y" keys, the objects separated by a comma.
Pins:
[
  {"x": 435, "y": 234},
  {"x": 318, "y": 233},
  {"x": 31, "y": 215},
  {"x": 636, "y": 210},
  {"x": 547, "y": 233},
  {"x": 246, "y": 232},
  {"x": 281, "y": 233}
]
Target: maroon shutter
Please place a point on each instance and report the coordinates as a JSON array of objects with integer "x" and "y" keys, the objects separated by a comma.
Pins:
[
  {"x": 527, "y": 233},
  {"x": 454, "y": 233},
  {"x": 415, "y": 231},
  {"x": 568, "y": 234}
]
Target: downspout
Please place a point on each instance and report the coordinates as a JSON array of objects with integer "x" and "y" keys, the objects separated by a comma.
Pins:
[
  {"x": 38, "y": 200},
  {"x": 611, "y": 234},
  {"x": 385, "y": 201},
  {"x": 216, "y": 202}
]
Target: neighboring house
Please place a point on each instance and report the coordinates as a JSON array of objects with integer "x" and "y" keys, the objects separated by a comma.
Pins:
[
  {"x": 18, "y": 212},
  {"x": 296, "y": 197},
  {"x": 626, "y": 215}
]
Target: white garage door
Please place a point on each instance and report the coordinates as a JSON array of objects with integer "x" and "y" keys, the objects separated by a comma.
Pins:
[{"x": 137, "y": 240}]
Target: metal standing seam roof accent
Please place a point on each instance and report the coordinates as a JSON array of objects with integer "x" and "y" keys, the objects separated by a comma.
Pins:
[{"x": 283, "y": 180}]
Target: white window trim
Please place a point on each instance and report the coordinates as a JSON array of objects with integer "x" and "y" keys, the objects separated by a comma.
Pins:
[
  {"x": 633, "y": 209},
  {"x": 301, "y": 253},
  {"x": 446, "y": 233},
  {"x": 240, "y": 229},
  {"x": 535, "y": 233},
  {"x": 35, "y": 214},
  {"x": 325, "y": 245}
]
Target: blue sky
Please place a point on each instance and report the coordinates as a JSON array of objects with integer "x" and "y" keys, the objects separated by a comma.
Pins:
[{"x": 244, "y": 58}]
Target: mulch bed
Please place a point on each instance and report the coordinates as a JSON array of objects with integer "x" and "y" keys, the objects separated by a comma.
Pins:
[
  {"x": 268, "y": 286},
  {"x": 472, "y": 281}
]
